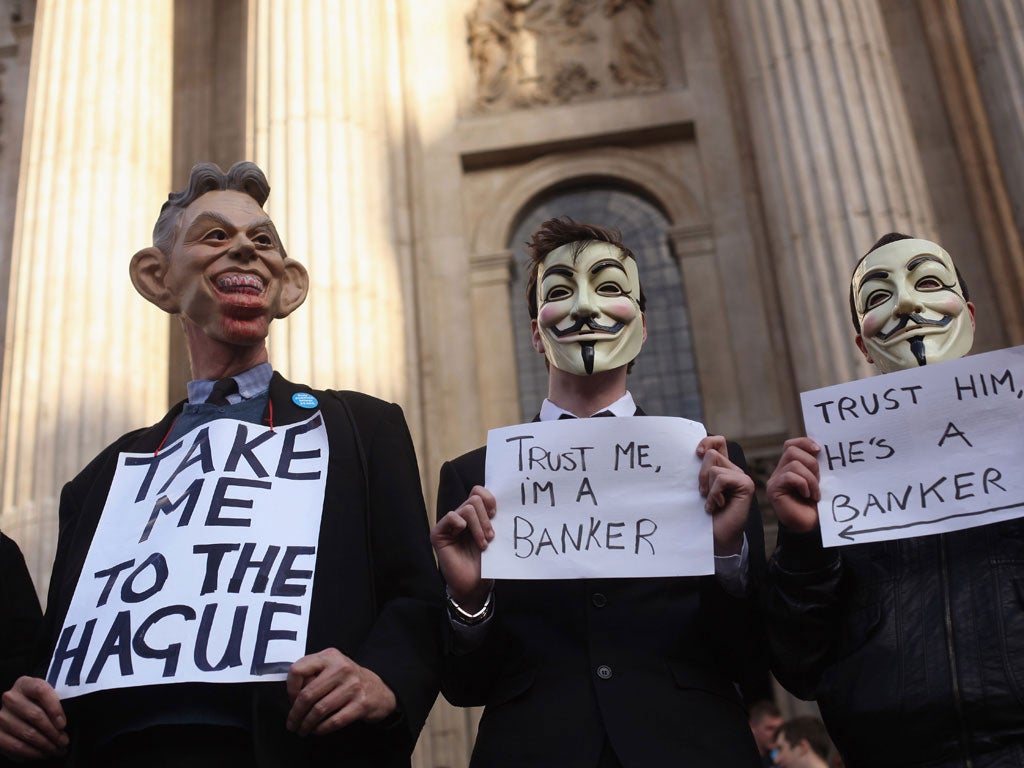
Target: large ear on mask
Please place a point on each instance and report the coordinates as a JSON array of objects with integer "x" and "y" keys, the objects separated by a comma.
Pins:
[
  {"x": 294, "y": 287},
  {"x": 148, "y": 270}
]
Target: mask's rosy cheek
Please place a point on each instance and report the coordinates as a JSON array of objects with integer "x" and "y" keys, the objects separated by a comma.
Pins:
[
  {"x": 872, "y": 323},
  {"x": 621, "y": 309},
  {"x": 948, "y": 304},
  {"x": 550, "y": 313}
]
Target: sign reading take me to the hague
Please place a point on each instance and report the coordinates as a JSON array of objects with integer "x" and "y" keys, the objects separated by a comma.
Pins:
[
  {"x": 201, "y": 567},
  {"x": 920, "y": 451},
  {"x": 585, "y": 498}
]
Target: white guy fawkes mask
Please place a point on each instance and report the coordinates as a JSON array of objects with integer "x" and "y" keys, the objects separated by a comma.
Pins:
[
  {"x": 588, "y": 313},
  {"x": 911, "y": 306}
]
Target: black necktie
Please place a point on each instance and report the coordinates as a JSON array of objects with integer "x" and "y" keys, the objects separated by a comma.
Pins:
[
  {"x": 221, "y": 389},
  {"x": 596, "y": 415}
]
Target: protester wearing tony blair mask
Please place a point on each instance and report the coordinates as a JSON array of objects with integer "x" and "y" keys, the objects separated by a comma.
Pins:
[{"x": 361, "y": 691}]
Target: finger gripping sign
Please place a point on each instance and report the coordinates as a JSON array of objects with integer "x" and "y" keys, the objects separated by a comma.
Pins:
[
  {"x": 920, "y": 451},
  {"x": 201, "y": 566},
  {"x": 583, "y": 498}
]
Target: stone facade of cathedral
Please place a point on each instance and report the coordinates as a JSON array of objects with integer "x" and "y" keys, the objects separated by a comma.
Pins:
[{"x": 758, "y": 148}]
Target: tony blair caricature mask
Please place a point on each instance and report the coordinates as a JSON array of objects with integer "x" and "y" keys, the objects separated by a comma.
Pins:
[
  {"x": 588, "y": 315},
  {"x": 228, "y": 275},
  {"x": 911, "y": 306}
]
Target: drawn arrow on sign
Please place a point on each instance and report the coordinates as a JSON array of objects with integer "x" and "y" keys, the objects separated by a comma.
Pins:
[{"x": 848, "y": 532}]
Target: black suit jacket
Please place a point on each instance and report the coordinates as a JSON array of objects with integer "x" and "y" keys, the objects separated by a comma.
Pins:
[
  {"x": 20, "y": 614},
  {"x": 650, "y": 664},
  {"x": 376, "y": 593}
]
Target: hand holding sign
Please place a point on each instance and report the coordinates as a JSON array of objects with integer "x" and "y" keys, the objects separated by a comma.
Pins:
[
  {"x": 328, "y": 691},
  {"x": 728, "y": 492},
  {"x": 458, "y": 538},
  {"x": 794, "y": 488},
  {"x": 32, "y": 721}
]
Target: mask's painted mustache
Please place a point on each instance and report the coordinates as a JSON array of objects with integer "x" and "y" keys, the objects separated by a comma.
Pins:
[
  {"x": 922, "y": 321},
  {"x": 587, "y": 322}
]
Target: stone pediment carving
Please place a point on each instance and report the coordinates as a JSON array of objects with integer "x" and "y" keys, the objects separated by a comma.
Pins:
[{"x": 533, "y": 52}]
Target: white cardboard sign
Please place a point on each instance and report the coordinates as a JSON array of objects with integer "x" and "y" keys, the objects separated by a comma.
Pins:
[
  {"x": 584, "y": 498},
  {"x": 921, "y": 451},
  {"x": 201, "y": 567}
]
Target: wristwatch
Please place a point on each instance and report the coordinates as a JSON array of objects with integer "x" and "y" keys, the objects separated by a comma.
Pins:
[{"x": 461, "y": 615}]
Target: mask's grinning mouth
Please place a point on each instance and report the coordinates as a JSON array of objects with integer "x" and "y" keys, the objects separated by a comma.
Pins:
[{"x": 240, "y": 283}]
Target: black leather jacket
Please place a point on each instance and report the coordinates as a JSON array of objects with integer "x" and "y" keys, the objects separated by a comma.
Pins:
[{"x": 914, "y": 649}]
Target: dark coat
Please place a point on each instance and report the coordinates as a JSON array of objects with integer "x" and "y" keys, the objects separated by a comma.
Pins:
[
  {"x": 376, "y": 594},
  {"x": 650, "y": 664},
  {"x": 914, "y": 648},
  {"x": 20, "y": 614}
]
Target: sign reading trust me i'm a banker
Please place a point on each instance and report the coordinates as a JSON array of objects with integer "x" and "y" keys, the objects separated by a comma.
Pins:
[
  {"x": 201, "y": 566},
  {"x": 585, "y": 498}
]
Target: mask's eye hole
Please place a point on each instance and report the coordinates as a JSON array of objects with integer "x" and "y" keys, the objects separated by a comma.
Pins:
[
  {"x": 875, "y": 298},
  {"x": 557, "y": 293},
  {"x": 264, "y": 239},
  {"x": 216, "y": 234},
  {"x": 610, "y": 289},
  {"x": 929, "y": 284}
]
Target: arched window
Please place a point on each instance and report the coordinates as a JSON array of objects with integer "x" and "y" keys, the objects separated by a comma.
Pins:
[{"x": 664, "y": 380}]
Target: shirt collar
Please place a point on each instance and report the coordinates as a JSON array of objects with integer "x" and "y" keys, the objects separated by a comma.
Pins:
[
  {"x": 251, "y": 383},
  {"x": 624, "y": 406}
]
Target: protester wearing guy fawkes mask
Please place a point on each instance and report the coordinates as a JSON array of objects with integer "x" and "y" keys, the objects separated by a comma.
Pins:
[
  {"x": 588, "y": 317},
  {"x": 913, "y": 648},
  {"x": 600, "y": 672},
  {"x": 910, "y": 306}
]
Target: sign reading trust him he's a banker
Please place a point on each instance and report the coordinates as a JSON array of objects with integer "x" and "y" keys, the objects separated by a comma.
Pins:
[
  {"x": 201, "y": 567},
  {"x": 921, "y": 451},
  {"x": 585, "y": 498}
]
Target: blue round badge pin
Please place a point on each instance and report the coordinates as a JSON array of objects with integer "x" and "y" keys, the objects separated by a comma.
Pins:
[{"x": 305, "y": 400}]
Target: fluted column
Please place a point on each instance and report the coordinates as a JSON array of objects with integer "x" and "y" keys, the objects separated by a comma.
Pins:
[
  {"x": 326, "y": 124},
  {"x": 995, "y": 35},
  {"x": 84, "y": 355},
  {"x": 836, "y": 157}
]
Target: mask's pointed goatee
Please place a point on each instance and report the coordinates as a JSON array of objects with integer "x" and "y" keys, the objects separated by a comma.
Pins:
[
  {"x": 917, "y": 347},
  {"x": 587, "y": 350}
]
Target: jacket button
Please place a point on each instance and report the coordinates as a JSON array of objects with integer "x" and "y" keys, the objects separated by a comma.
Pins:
[
  {"x": 599, "y": 600},
  {"x": 604, "y": 671}
]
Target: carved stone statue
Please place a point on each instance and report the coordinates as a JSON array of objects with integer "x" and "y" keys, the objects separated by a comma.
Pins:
[
  {"x": 533, "y": 52},
  {"x": 636, "y": 58}
]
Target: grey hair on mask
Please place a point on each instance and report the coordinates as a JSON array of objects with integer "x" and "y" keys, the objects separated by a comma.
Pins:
[{"x": 245, "y": 177}]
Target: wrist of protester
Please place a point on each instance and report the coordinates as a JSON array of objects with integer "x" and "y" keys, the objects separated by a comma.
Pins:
[{"x": 463, "y": 615}]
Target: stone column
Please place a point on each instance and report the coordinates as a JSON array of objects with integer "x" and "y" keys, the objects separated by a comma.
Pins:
[
  {"x": 707, "y": 302},
  {"x": 84, "y": 356},
  {"x": 491, "y": 277},
  {"x": 326, "y": 123},
  {"x": 994, "y": 31},
  {"x": 836, "y": 159}
]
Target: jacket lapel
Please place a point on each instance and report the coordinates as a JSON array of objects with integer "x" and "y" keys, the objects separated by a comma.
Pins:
[{"x": 285, "y": 411}]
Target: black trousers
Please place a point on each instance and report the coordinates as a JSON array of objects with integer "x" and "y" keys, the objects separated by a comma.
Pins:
[{"x": 175, "y": 746}]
